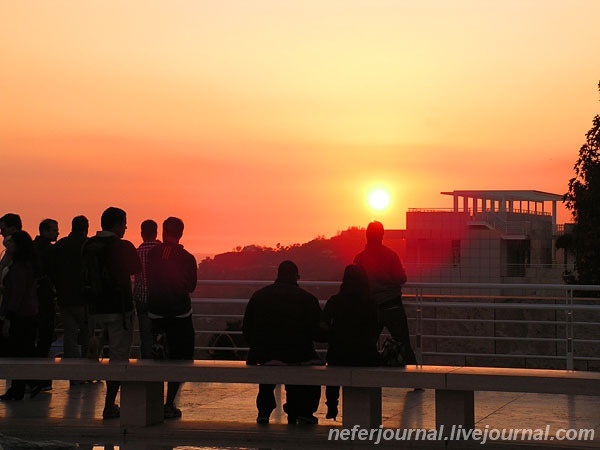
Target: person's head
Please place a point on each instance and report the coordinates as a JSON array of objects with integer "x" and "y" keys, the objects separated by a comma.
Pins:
[
  {"x": 9, "y": 223},
  {"x": 149, "y": 230},
  {"x": 375, "y": 232},
  {"x": 20, "y": 246},
  {"x": 172, "y": 229},
  {"x": 80, "y": 224},
  {"x": 49, "y": 229},
  {"x": 355, "y": 281},
  {"x": 287, "y": 272},
  {"x": 114, "y": 220}
]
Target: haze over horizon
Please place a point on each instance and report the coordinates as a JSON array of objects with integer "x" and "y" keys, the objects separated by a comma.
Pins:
[{"x": 264, "y": 122}]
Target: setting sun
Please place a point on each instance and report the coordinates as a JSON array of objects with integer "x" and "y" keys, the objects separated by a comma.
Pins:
[{"x": 379, "y": 199}]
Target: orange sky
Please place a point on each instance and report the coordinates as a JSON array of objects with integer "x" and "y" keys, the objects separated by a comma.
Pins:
[{"x": 264, "y": 122}]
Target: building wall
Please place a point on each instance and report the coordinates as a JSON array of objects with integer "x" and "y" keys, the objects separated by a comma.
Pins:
[{"x": 447, "y": 246}]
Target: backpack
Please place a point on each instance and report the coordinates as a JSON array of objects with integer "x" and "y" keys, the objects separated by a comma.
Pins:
[
  {"x": 97, "y": 279},
  {"x": 392, "y": 353}
]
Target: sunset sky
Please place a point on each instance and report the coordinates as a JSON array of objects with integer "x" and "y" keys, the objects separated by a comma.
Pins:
[{"x": 270, "y": 121}]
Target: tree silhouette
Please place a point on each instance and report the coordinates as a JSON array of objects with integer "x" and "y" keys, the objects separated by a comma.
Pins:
[{"x": 583, "y": 199}]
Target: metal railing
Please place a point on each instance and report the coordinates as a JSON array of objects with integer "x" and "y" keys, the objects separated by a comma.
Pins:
[{"x": 518, "y": 325}]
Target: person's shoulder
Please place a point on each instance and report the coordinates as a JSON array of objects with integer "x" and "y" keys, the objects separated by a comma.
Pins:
[
  {"x": 125, "y": 244},
  {"x": 61, "y": 243},
  {"x": 359, "y": 256},
  {"x": 388, "y": 251},
  {"x": 184, "y": 252},
  {"x": 96, "y": 242},
  {"x": 265, "y": 290},
  {"x": 333, "y": 301},
  {"x": 306, "y": 294},
  {"x": 153, "y": 249}
]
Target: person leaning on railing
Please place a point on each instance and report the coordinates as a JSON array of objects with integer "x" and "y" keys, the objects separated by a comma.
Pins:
[{"x": 386, "y": 277}]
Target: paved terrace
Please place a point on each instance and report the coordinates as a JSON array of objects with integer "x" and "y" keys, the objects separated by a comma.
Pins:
[{"x": 223, "y": 416}]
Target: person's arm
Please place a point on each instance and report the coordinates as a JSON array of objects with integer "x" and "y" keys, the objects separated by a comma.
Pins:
[
  {"x": 398, "y": 270},
  {"x": 192, "y": 278},
  {"x": 133, "y": 259},
  {"x": 15, "y": 286},
  {"x": 326, "y": 320},
  {"x": 248, "y": 321},
  {"x": 315, "y": 315}
]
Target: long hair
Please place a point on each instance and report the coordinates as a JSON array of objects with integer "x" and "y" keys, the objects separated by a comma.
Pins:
[
  {"x": 23, "y": 247},
  {"x": 355, "y": 283}
]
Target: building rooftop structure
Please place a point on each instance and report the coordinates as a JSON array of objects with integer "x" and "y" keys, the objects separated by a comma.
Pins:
[{"x": 487, "y": 236}]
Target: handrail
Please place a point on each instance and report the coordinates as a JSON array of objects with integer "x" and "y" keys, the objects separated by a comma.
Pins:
[
  {"x": 438, "y": 312},
  {"x": 429, "y": 285}
]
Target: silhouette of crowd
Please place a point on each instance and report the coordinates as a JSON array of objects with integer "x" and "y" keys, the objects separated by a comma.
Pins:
[{"x": 101, "y": 284}]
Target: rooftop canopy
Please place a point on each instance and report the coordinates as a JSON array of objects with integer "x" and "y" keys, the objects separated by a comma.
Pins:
[{"x": 508, "y": 195}]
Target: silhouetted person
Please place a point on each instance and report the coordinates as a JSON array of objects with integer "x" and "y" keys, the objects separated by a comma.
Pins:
[
  {"x": 66, "y": 275},
  {"x": 280, "y": 323},
  {"x": 108, "y": 264},
  {"x": 46, "y": 293},
  {"x": 386, "y": 277},
  {"x": 20, "y": 305},
  {"x": 172, "y": 276},
  {"x": 149, "y": 231},
  {"x": 9, "y": 224},
  {"x": 350, "y": 322}
]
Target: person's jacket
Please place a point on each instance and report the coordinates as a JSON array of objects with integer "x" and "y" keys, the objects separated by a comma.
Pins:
[
  {"x": 172, "y": 275},
  {"x": 385, "y": 271},
  {"x": 46, "y": 292},
  {"x": 66, "y": 273},
  {"x": 352, "y": 329},
  {"x": 19, "y": 291},
  {"x": 121, "y": 261},
  {"x": 280, "y": 323}
]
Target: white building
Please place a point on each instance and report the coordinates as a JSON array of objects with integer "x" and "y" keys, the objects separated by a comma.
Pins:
[{"x": 487, "y": 236}]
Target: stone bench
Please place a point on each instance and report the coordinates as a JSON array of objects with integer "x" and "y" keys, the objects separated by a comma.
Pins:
[{"x": 142, "y": 390}]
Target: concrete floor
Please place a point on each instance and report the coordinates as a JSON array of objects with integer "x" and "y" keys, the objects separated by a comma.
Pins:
[{"x": 223, "y": 416}]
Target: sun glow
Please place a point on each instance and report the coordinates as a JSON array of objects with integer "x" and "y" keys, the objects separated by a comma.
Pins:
[{"x": 379, "y": 199}]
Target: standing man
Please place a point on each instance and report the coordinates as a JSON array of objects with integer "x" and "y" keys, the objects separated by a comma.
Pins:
[
  {"x": 46, "y": 293},
  {"x": 386, "y": 277},
  {"x": 67, "y": 281},
  {"x": 280, "y": 324},
  {"x": 149, "y": 231},
  {"x": 109, "y": 261},
  {"x": 172, "y": 276}
]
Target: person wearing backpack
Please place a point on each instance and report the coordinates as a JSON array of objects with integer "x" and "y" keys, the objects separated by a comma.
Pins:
[{"x": 108, "y": 262}]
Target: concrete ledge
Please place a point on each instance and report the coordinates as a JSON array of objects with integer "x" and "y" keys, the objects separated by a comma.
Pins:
[
  {"x": 222, "y": 372},
  {"x": 540, "y": 381},
  {"x": 143, "y": 383},
  {"x": 426, "y": 377}
]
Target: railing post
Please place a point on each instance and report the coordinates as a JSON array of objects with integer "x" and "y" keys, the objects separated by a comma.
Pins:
[
  {"x": 419, "y": 335},
  {"x": 569, "y": 329}
]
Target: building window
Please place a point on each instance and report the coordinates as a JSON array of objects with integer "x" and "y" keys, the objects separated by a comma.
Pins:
[
  {"x": 518, "y": 256},
  {"x": 455, "y": 252}
]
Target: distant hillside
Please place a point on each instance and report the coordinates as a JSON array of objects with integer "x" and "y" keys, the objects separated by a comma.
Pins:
[{"x": 320, "y": 259}]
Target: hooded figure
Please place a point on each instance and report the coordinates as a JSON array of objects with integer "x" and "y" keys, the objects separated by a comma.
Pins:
[{"x": 350, "y": 322}]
